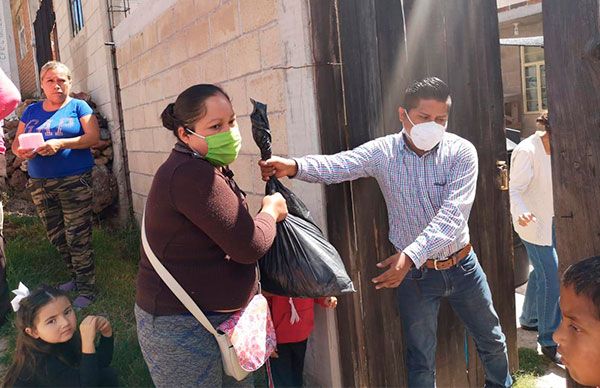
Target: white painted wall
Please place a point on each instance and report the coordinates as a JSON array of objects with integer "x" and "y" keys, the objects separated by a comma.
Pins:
[{"x": 8, "y": 52}]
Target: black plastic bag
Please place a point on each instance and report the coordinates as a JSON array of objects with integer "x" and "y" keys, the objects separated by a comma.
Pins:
[{"x": 301, "y": 262}]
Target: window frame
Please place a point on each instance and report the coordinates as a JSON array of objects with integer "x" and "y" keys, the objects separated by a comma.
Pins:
[
  {"x": 538, "y": 76},
  {"x": 76, "y": 13}
]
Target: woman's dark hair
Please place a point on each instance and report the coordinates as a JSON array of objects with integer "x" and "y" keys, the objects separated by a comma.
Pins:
[
  {"x": 584, "y": 277},
  {"x": 431, "y": 88},
  {"x": 189, "y": 107},
  {"x": 27, "y": 347}
]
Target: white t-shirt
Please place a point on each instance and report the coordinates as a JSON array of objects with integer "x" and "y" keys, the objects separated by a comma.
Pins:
[{"x": 531, "y": 190}]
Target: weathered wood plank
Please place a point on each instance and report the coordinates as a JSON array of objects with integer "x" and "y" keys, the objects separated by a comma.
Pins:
[
  {"x": 340, "y": 224},
  {"x": 458, "y": 43},
  {"x": 572, "y": 58},
  {"x": 475, "y": 79}
]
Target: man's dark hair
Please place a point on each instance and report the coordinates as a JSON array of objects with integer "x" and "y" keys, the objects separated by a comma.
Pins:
[
  {"x": 431, "y": 88},
  {"x": 584, "y": 277}
]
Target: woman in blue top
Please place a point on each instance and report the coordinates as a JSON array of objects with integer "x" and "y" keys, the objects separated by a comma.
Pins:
[{"x": 60, "y": 174}]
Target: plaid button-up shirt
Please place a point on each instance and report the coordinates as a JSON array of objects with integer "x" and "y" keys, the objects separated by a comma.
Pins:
[{"x": 428, "y": 198}]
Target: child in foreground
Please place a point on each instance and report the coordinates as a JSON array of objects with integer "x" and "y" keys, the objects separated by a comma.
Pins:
[
  {"x": 50, "y": 351},
  {"x": 578, "y": 336}
]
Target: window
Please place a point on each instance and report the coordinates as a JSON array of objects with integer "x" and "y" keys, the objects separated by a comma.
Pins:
[
  {"x": 76, "y": 16},
  {"x": 22, "y": 38},
  {"x": 533, "y": 74}
]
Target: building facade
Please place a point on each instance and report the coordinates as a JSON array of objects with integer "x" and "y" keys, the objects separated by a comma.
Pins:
[
  {"x": 523, "y": 68},
  {"x": 24, "y": 46}
]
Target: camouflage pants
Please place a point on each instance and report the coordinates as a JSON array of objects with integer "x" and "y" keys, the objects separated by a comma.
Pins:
[{"x": 65, "y": 207}]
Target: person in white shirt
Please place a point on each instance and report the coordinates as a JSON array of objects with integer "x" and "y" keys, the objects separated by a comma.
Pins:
[{"x": 532, "y": 210}]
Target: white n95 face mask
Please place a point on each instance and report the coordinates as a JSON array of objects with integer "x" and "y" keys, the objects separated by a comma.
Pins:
[{"x": 427, "y": 135}]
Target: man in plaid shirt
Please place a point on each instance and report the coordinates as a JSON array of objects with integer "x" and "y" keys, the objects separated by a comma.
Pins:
[{"x": 428, "y": 178}]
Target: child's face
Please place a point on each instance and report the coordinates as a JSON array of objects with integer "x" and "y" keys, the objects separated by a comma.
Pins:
[
  {"x": 578, "y": 337},
  {"x": 55, "y": 322}
]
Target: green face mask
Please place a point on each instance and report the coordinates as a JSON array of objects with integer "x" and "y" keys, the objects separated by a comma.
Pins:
[{"x": 223, "y": 148}]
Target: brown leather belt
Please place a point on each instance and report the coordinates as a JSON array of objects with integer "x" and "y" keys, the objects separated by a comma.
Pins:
[{"x": 450, "y": 261}]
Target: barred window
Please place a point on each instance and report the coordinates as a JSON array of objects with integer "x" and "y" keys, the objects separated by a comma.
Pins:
[{"x": 76, "y": 15}]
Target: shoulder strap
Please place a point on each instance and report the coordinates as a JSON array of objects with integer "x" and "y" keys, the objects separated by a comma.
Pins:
[{"x": 173, "y": 285}]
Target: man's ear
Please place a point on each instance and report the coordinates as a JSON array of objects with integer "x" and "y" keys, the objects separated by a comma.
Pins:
[
  {"x": 401, "y": 113},
  {"x": 32, "y": 332}
]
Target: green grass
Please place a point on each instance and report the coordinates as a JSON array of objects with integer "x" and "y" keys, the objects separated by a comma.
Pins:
[
  {"x": 531, "y": 366},
  {"x": 33, "y": 261}
]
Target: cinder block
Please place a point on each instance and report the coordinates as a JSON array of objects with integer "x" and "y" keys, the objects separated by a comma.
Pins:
[
  {"x": 150, "y": 36},
  {"x": 236, "y": 90},
  {"x": 123, "y": 53},
  {"x": 191, "y": 73},
  {"x": 140, "y": 184},
  {"x": 134, "y": 71},
  {"x": 224, "y": 24},
  {"x": 139, "y": 121},
  {"x": 268, "y": 87},
  {"x": 150, "y": 115},
  {"x": 271, "y": 47},
  {"x": 176, "y": 47},
  {"x": 204, "y": 7},
  {"x": 279, "y": 134},
  {"x": 198, "y": 38},
  {"x": 145, "y": 65},
  {"x": 140, "y": 140},
  {"x": 164, "y": 139},
  {"x": 257, "y": 13},
  {"x": 243, "y": 172},
  {"x": 165, "y": 25},
  {"x": 214, "y": 66},
  {"x": 141, "y": 162},
  {"x": 128, "y": 118},
  {"x": 160, "y": 58},
  {"x": 185, "y": 13},
  {"x": 137, "y": 45},
  {"x": 170, "y": 82},
  {"x": 243, "y": 55}
]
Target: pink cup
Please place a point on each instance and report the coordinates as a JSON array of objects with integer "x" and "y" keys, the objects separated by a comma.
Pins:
[{"x": 31, "y": 140}]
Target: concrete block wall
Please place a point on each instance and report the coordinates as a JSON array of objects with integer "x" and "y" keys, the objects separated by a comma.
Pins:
[
  {"x": 236, "y": 44},
  {"x": 86, "y": 54},
  {"x": 90, "y": 61},
  {"x": 252, "y": 48}
]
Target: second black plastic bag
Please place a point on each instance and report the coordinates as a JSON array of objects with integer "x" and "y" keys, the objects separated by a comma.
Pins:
[{"x": 301, "y": 262}]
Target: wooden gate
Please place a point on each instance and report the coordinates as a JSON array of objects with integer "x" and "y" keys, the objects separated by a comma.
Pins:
[
  {"x": 572, "y": 57},
  {"x": 367, "y": 52}
]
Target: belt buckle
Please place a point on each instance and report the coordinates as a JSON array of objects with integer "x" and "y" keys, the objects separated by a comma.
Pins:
[{"x": 435, "y": 264}]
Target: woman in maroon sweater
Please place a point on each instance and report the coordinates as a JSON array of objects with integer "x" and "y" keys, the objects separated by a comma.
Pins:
[{"x": 198, "y": 225}]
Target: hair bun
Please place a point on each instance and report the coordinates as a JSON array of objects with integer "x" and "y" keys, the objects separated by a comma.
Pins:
[{"x": 169, "y": 119}]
